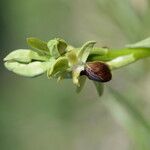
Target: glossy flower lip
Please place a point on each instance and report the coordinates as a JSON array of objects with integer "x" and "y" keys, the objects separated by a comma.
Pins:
[{"x": 97, "y": 71}]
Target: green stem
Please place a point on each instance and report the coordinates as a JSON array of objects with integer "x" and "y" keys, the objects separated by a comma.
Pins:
[
  {"x": 118, "y": 58},
  {"x": 102, "y": 54}
]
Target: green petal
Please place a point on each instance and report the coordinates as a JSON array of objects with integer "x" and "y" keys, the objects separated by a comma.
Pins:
[
  {"x": 76, "y": 74},
  {"x": 57, "y": 47},
  {"x": 25, "y": 56},
  {"x": 72, "y": 58},
  {"x": 85, "y": 51},
  {"x": 38, "y": 45},
  {"x": 60, "y": 65},
  {"x": 29, "y": 70},
  {"x": 82, "y": 80}
]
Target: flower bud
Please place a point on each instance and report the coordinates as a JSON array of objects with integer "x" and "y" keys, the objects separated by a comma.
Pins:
[
  {"x": 97, "y": 71},
  {"x": 57, "y": 47}
]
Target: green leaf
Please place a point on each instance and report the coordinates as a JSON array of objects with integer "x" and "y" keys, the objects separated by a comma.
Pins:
[
  {"x": 142, "y": 44},
  {"x": 99, "y": 87},
  {"x": 29, "y": 70},
  {"x": 85, "y": 51},
  {"x": 24, "y": 56},
  {"x": 57, "y": 47},
  {"x": 82, "y": 80},
  {"x": 121, "y": 61},
  {"x": 38, "y": 45},
  {"x": 60, "y": 65}
]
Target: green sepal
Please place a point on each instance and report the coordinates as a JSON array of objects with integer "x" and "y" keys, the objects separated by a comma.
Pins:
[
  {"x": 82, "y": 80},
  {"x": 85, "y": 50},
  {"x": 99, "y": 87},
  {"x": 59, "y": 65},
  {"x": 57, "y": 47},
  {"x": 24, "y": 56},
  {"x": 29, "y": 70},
  {"x": 39, "y": 45},
  {"x": 141, "y": 44}
]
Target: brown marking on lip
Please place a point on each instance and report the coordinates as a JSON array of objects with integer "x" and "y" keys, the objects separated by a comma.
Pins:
[{"x": 97, "y": 71}]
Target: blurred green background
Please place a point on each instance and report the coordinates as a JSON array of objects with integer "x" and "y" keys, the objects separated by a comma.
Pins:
[{"x": 40, "y": 114}]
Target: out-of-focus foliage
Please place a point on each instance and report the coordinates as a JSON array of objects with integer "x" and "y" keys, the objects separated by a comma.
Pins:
[{"x": 40, "y": 114}]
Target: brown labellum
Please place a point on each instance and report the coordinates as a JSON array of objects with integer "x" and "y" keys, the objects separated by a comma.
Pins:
[{"x": 97, "y": 71}]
